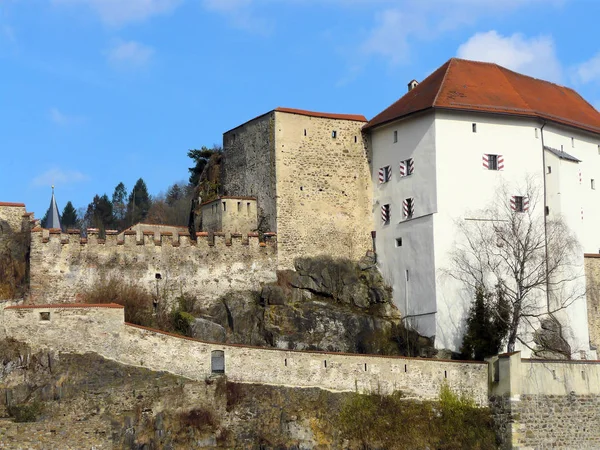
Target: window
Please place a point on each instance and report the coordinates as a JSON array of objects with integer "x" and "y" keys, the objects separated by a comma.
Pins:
[
  {"x": 593, "y": 183},
  {"x": 474, "y": 128},
  {"x": 305, "y": 132},
  {"x": 45, "y": 316},
  {"x": 407, "y": 167},
  {"x": 334, "y": 134},
  {"x": 385, "y": 214},
  {"x": 248, "y": 208},
  {"x": 385, "y": 174},
  {"x": 355, "y": 139},
  {"x": 217, "y": 361},
  {"x": 573, "y": 142},
  {"x": 399, "y": 242},
  {"x": 599, "y": 149},
  {"x": 547, "y": 209},
  {"x": 395, "y": 136},
  {"x": 519, "y": 203},
  {"x": 549, "y": 169},
  {"x": 407, "y": 277},
  {"x": 408, "y": 208},
  {"x": 493, "y": 162},
  {"x": 239, "y": 206},
  {"x": 536, "y": 133},
  {"x": 224, "y": 206}
]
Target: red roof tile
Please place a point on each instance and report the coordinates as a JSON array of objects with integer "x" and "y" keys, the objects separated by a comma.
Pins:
[
  {"x": 477, "y": 86},
  {"x": 302, "y": 112},
  {"x": 16, "y": 205}
]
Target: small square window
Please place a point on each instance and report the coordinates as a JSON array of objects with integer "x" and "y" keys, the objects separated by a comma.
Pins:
[
  {"x": 385, "y": 174},
  {"x": 518, "y": 203},
  {"x": 334, "y": 134},
  {"x": 493, "y": 162},
  {"x": 593, "y": 183},
  {"x": 45, "y": 316},
  {"x": 395, "y": 136},
  {"x": 399, "y": 242},
  {"x": 407, "y": 167}
]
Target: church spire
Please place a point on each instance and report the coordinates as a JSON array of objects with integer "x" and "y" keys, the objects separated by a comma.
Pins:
[{"x": 53, "y": 217}]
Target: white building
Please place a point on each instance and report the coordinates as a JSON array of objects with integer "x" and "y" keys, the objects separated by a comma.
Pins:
[{"x": 439, "y": 155}]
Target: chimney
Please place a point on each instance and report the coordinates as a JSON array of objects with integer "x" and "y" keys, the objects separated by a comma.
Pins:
[{"x": 413, "y": 84}]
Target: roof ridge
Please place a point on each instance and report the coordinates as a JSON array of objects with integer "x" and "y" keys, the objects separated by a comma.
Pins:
[
  {"x": 502, "y": 69},
  {"x": 449, "y": 62}
]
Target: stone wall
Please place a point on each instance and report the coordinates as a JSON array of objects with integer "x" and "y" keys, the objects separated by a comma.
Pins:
[
  {"x": 592, "y": 278},
  {"x": 546, "y": 404},
  {"x": 100, "y": 329},
  {"x": 140, "y": 228},
  {"x": 55, "y": 435},
  {"x": 249, "y": 166},
  {"x": 230, "y": 215},
  {"x": 11, "y": 217},
  {"x": 324, "y": 192},
  {"x": 64, "y": 265}
]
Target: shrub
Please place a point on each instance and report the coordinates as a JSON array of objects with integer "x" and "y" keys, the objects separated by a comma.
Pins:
[
  {"x": 394, "y": 422},
  {"x": 26, "y": 412},
  {"x": 138, "y": 303},
  {"x": 181, "y": 322}
]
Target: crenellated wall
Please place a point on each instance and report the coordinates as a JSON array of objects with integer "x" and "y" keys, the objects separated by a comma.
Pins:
[
  {"x": 63, "y": 265},
  {"x": 100, "y": 329},
  {"x": 12, "y": 217}
]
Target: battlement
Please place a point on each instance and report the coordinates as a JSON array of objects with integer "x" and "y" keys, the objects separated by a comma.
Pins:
[
  {"x": 14, "y": 217},
  {"x": 129, "y": 239}
]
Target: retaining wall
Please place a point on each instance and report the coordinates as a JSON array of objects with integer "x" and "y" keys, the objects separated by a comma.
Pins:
[{"x": 101, "y": 329}]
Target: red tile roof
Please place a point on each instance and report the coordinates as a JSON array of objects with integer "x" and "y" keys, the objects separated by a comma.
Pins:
[
  {"x": 16, "y": 205},
  {"x": 485, "y": 87}
]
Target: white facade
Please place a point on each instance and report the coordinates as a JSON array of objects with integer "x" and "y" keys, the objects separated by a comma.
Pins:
[{"x": 450, "y": 184}]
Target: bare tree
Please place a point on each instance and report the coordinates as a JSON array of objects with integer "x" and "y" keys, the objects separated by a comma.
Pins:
[{"x": 515, "y": 249}]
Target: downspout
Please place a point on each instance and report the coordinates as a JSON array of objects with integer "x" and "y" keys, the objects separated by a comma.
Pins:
[{"x": 545, "y": 219}]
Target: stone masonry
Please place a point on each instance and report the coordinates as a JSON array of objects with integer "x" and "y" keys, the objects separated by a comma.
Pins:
[
  {"x": 310, "y": 174},
  {"x": 64, "y": 265},
  {"x": 592, "y": 278}
]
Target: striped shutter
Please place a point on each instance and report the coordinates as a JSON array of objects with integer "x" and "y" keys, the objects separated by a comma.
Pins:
[
  {"x": 381, "y": 175},
  {"x": 500, "y": 162},
  {"x": 408, "y": 210},
  {"x": 485, "y": 161},
  {"x": 388, "y": 173},
  {"x": 411, "y": 166},
  {"x": 525, "y": 203},
  {"x": 385, "y": 214},
  {"x": 513, "y": 203},
  {"x": 402, "y": 168}
]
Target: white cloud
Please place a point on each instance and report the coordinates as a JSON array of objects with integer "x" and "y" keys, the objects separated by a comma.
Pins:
[
  {"x": 534, "y": 56},
  {"x": 57, "y": 176},
  {"x": 121, "y": 12},
  {"x": 389, "y": 38},
  {"x": 240, "y": 15},
  {"x": 589, "y": 70},
  {"x": 60, "y": 118},
  {"x": 130, "y": 54}
]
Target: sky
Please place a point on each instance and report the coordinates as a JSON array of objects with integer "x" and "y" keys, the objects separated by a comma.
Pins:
[{"x": 97, "y": 92}]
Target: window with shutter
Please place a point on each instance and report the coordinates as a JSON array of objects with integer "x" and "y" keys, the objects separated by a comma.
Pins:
[
  {"x": 519, "y": 203},
  {"x": 385, "y": 174},
  {"x": 408, "y": 208},
  {"x": 407, "y": 167},
  {"x": 492, "y": 162},
  {"x": 385, "y": 214}
]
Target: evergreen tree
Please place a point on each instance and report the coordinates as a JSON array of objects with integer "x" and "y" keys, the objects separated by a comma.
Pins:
[
  {"x": 139, "y": 202},
  {"x": 44, "y": 220},
  {"x": 69, "y": 216},
  {"x": 486, "y": 325},
  {"x": 100, "y": 213},
  {"x": 200, "y": 158},
  {"x": 119, "y": 202}
]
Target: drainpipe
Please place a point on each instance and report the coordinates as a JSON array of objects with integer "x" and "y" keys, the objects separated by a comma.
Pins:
[{"x": 545, "y": 218}]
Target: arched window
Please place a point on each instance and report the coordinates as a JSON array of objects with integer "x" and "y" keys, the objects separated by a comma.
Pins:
[{"x": 217, "y": 361}]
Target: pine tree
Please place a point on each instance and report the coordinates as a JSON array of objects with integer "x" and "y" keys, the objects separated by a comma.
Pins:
[
  {"x": 139, "y": 202},
  {"x": 119, "y": 201},
  {"x": 69, "y": 216}
]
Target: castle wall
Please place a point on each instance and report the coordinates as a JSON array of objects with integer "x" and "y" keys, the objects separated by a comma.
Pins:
[
  {"x": 11, "y": 217},
  {"x": 140, "y": 228},
  {"x": 230, "y": 215},
  {"x": 100, "y": 329},
  {"x": 249, "y": 167},
  {"x": 324, "y": 193},
  {"x": 64, "y": 265},
  {"x": 592, "y": 278},
  {"x": 543, "y": 404}
]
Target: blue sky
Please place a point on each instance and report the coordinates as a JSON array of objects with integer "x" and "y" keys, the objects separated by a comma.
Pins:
[{"x": 95, "y": 92}]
